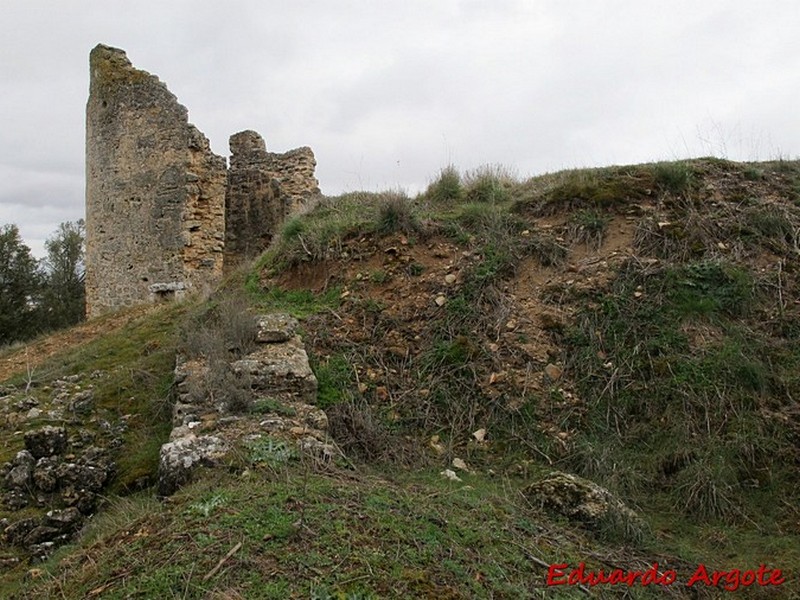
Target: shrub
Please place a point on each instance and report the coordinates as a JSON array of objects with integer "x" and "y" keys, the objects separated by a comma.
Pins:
[
  {"x": 673, "y": 177},
  {"x": 488, "y": 184},
  {"x": 360, "y": 432},
  {"x": 589, "y": 226},
  {"x": 395, "y": 214},
  {"x": 447, "y": 187},
  {"x": 226, "y": 330},
  {"x": 293, "y": 227}
]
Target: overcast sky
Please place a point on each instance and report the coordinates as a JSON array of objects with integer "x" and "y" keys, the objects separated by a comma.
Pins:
[{"x": 387, "y": 92}]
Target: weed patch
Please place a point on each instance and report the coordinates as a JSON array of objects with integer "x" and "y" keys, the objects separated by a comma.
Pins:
[
  {"x": 446, "y": 187},
  {"x": 653, "y": 388}
]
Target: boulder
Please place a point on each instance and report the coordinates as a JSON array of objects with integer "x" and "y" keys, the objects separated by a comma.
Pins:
[
  {"x": 45, "y": 475},
  {"x": 64, "y": 521},
  {"x": 584, "y": 501},
  {"x": 179, "y": 459},
  {"x": 82, "y": 477},
  {"x": 18, "y": 531},
  {"x": 20, "y": 476}
]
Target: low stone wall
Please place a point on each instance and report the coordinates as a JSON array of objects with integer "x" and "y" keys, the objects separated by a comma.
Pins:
[{"x": 279, "y": 408}]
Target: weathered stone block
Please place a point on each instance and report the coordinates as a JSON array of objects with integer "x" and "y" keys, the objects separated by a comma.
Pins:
[
  {"x": 275, "y": 328},
  {"x": 280, "y": 369},
  {"x": 46, "y": 441},
  {"x": 179, "y": 459}
]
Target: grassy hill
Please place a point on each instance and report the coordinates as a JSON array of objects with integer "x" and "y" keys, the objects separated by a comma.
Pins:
[{"x": 634, "y": 326}]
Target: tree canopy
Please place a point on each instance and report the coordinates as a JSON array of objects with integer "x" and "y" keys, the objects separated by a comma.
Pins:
[
  {"x": 38, "y": 296},
  {"x": 20, "y": 283}
]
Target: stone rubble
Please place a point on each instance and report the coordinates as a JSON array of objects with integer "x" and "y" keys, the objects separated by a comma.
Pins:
[
  {"x": 62, "y": 470},
  {"x": 281, "y": 390}
]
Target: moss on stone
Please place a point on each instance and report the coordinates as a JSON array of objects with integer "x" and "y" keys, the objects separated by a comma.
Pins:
[{"x": 111, "y": 67}]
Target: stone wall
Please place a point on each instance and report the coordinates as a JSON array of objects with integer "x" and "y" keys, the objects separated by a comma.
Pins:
[
  {"x": 255, "y": 204},
  {"x": 154, "y": 191},
  {"x": 157, "y": 198},
  {"x": 294, "y": 171},
  {"x": 263, "y": 188}
]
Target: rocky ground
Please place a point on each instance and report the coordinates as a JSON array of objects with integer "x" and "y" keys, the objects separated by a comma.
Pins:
[{"x": 58, "y": 479}]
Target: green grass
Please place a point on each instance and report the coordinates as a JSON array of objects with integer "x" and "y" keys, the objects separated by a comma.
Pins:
[
  {"x": 589, "y": 227},
  {"x": 316, "y": 535},
  {"x": 335, "y": 379},
  {"x": 321, "y": 233},
  {"x": 446, "y": 187},
  {"x": 271, "y": 405},
  {"x": 673, "y": 177},
  {"x": 298, "y": 303},
  {"x": 488, "y": 185},
  {"x": 654, "y": 392}
]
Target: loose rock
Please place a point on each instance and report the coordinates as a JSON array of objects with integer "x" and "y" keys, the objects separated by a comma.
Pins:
[
  {"x": 20, "y": 475},
  {"x": 582, "y": 500},
  {"x": 46, "y": 441}
]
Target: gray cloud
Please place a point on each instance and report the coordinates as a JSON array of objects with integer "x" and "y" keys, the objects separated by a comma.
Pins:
[{"x": 387, "y": 92}]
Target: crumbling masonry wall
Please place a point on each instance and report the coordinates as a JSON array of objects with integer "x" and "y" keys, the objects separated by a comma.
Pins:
[
  {"x": 255, "y": 203},
  {"x": 263, "y": 188},
  {"x": 164, "y": 215},
  {"x": 155, "y": 193}
]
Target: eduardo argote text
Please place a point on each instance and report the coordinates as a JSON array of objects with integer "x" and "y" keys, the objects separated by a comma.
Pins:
[{"x": 730, "y": 581}]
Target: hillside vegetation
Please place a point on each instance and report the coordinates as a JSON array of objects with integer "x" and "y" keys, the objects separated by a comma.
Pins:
[{"x": 634, "y": 326}]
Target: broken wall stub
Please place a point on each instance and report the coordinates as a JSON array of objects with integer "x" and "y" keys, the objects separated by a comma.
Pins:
[
  {"x": 155, "y": 193},
  {"x": 263, "y": 189},
  {"x": 255, "y": 203},
  {"x": 294, "y": 171}
]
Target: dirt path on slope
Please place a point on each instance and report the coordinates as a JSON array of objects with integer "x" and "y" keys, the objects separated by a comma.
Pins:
[{"x": 19, "y": 358}]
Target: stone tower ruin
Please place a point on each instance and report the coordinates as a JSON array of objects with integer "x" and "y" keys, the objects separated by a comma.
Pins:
[{"x": 164, "y": 214}]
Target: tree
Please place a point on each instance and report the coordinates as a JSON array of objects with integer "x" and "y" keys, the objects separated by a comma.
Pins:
[
  {"x": 20, "y": 283},
  {"x": 63, "y": 298}
]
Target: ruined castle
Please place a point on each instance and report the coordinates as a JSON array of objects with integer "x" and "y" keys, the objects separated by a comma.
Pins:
[{"x": 164, "y": 214}]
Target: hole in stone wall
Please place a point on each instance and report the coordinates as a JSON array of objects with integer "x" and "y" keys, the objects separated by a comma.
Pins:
[{"x": 164, "y": 295}]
